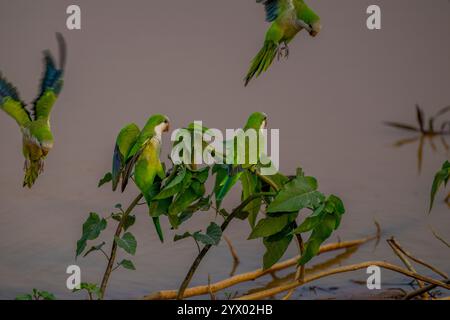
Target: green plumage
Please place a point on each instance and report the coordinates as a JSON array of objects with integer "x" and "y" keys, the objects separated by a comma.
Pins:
[
  {"x": 139, "y": 151},
  {"x": 287, "y": 18},
  {"x": 36, "y": 131},
  {"x": 228, "y": 176}
]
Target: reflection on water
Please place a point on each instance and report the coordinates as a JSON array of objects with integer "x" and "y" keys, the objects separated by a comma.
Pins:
[{"x": 437, "y": 143}]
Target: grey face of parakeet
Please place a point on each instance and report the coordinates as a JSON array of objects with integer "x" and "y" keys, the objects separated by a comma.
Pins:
[{"x": 162, "y": 127}]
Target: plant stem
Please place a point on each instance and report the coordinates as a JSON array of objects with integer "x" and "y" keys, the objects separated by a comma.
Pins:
[
  {"x": 206, "y": 248},
  {"x": 112, "y": 256},
  {"x": 267, "y": 180},
  {"x": 300, "y": 272}
]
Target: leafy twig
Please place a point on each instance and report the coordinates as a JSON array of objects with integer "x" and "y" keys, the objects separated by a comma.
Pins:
[
  {"x": 206, "y": 248},
  {"x": 112, "y": 256}
]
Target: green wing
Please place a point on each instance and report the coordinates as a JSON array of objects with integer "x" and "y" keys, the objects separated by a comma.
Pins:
[
  {"x": 52, "y": 82},
  {"x": 135, "y": 152},
  {"x": 12, "y": 104},
  {"x": 125, "y": 141}
]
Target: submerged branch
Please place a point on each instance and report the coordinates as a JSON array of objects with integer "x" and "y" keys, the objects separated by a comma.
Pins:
[
  {"x": 349, "y": 268},
  {"x": 249, "y": 276},
  {"x": 398, "y": 251}
]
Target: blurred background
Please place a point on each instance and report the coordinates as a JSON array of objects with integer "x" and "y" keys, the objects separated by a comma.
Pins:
[{"x": 187, "y": 59}]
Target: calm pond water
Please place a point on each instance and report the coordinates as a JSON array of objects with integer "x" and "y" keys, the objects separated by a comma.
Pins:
[{"x": 329, "y": 101}]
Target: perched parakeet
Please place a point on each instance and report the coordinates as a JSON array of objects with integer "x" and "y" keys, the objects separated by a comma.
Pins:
[
  {"x": 226, "y": 179},
  {"x": 35, "y": 126},
  {"x": 140, "y": 151},
  {"x": 126, "y": 139},
  {"x": 288, "y": 17}
]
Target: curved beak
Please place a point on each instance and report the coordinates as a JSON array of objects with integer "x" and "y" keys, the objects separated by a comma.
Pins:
[
  {"x": 167, "y": 127},
  {"x": 315, "y": 29}
]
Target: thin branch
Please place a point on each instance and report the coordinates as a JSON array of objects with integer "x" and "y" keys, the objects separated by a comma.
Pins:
[
  {"x": 419, "y": 261},
  {"x": 420, "y": 291},
  {"x": 104, "y": 253},
  {"x": 112, "y": 256},
  {"x": 300, "y": 272},
  {"x": 211, "y": 293},
  {"x": 393, "y": 244},
  {"x": 437, "y": 236},
  {"x": 250, "y": 276},
  {"x": 353, "y": 267},
  {"x": 233, "y": 252},
  {"x": 206, "y": 248}
]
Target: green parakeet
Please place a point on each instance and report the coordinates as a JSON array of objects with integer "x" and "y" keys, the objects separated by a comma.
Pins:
[
  {"x": 288, "y": 17},
  {"x": 228, "y": 175},
  {"x": 35, "y": 125},
  {"x": 139, "y": 151}
]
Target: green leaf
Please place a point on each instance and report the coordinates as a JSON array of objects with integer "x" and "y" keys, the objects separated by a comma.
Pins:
[
  {"x": 127, "y": 242},
  {"x": 127, "y": 264},
  {"x": 201, "y": 175},
  {"x": 92, "y": 228},
  {"x": 215, "y": 232},
  {"x": 160, "y": 207},
  {"x": 224, "y": 182},
  {"x": 107, "y": 178},
  {"x": 94, "y": 248},
  {"x": 46, "y": 295},
  {"x": 251, "y": 185},
  {"x": 212, "y": 236},
  {"x": 338, "y": 205},
  {"x": 271, "y": 225},
  {"x": 297, "y": 194},
  {"x": 310, "y": 222},
  {"x": 129, "y": 221},
  {"x": 320, "y": 233},
  {"x": 185, "y": 235},
  {"x": 441, "y": 177},
  {"x": 174, "y": 186},
  {"x": 24, "y": 297},
  {"x": 276, "y": 245},
  {"x": 184, "y": 199}
]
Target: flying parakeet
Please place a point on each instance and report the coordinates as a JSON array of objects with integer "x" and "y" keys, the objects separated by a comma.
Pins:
[
  {"x": 140, "y": 150},
  {"x": 35, "y": 126},
  {"x": 288, "y": 17}
]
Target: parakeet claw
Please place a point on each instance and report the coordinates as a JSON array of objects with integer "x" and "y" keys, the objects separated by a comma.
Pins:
[{"x": 283, "y": 51}]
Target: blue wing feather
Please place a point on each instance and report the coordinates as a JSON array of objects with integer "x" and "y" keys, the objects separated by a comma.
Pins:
[
  {"x": 272, "y": 9},
  {"x": 53, "y": 76},
  {"x": 7, "y": 90}
]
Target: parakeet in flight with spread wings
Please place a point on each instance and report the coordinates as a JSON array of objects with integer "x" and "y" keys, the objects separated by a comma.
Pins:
[
  {"x": 35, "y": 125},
  {"x": 139, "y": 151},
  {"x": 288, "y": 17}
]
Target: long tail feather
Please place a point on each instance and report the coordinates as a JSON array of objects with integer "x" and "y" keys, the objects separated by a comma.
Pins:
[
  {"x": 262, "y": 61},
  {"x": 158, "y": 228},
  {"x": 32, "y": 171},
  {"x": 62, "y": 47}
]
